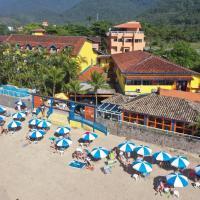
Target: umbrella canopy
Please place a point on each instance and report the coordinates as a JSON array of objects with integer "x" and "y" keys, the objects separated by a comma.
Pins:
[
  {"x": 142, "y": 166},
  {"x": 99, "y": 153},
  {"x": 14, "y": 124},
  {"x": 180, "y": 162},
  {"x": 34, "y": 121},
  {"x": 177, "y": 180},
  {"x": 127, "y": 146},
  {"x": 19, "y": 115},
  {"x": 162, "y": 156},
  {"x": 143, "y": 150},
  {"x": 36, "y": 134},
  {"x": 62, "y": 130},
  {"x": 2, "y": 109},
  {"x": 63, "y": 143},
  {"x": 89, "y": 136},
  {"x": 2, "y": 118},
  {"x": 20, "y": 103},
  {"x": 44, "y": 124},
  {"x": 197, "y": 170}
]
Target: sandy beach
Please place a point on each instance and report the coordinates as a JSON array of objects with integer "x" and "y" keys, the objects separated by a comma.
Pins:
[{"x": 34, "y": 172}]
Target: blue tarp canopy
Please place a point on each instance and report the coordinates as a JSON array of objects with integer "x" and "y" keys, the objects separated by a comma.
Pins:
[{"x": 109, "y": 108}]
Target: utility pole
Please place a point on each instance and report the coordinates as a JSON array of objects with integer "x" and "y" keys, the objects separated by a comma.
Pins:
[{"x": 97, "y": 19}]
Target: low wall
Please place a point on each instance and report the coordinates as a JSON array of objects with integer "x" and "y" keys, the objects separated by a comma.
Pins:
[
  {"x": 154, "y": 136},
  {"x": 9, "y": 101}
]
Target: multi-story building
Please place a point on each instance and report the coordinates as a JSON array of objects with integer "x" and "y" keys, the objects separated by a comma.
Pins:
[{"x": 125, "y": 37}]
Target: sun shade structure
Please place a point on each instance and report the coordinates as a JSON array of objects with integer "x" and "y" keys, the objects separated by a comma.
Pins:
[
  {"x": 62, "y": 130},
  {"x": 2, "y": 110},
  {"x": 162, "y": 156},
  {"x": 19, "y": 115},
  {"x": 127, "y": 146},
  {"x": 34, "y": 121},
  {"x": 14, "y": 124},
  {"x": 197, "y": 170},
  {"x": 143, "y": 150},
  {"x": 2, "y": 118},
  {"x": 180, "y": 162},
  {"x": 36, "y": 134},
  {"x": 89, "y": 136},
  {"x": 142, "y": 166},
  {"x": 177, "y": 180},
  {"x": 44, "y": 124},
  {"x": 99, "y": 152},
  {"x": 63, "y": 143}
]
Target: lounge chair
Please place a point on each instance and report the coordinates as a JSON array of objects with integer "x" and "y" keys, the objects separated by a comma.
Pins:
[
  {"x": 176, "y": 193},
  {"x": 135, "y": 176},
  {"x": 196, "y": 184},
  {"x": 107, "y": 169}
]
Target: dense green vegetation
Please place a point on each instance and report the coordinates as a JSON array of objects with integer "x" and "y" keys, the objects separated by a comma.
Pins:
[{"x": 37, "y": 69}]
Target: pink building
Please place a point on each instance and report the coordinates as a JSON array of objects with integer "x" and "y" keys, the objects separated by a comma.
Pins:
[{"x": 126, "y": 37}]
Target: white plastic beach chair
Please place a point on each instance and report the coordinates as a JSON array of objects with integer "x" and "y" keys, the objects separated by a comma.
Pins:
[
  {"x": 135, "y": 177},
  {"x": 107, "y": 169},
  {"x": 196, "y": 185},
  {"x": 176, "y": 193}
]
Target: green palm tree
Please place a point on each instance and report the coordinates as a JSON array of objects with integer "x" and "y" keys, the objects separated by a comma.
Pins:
[
  {"x": 98, "y": 81},
  {"x": 75, "y": 87},
  {"x": 55, "y": 76}
]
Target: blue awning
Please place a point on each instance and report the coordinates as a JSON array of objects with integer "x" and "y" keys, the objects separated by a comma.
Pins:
[{"x": 109, "y": 108}]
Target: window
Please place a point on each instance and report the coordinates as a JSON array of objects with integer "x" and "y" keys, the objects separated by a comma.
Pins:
[
  {"x": 147, "y": 82},
  {"x": 126, "y": 50},
  {"x": 165, "y": 82},
  {"x": 133, "y": 82},
  {"x": 138, "y": 40},
  {"x": 128, "y": 40},
  {"x": 115, "y": 39},
  {"x": 114, "y": 48},
  {"x": 120, "y": 40}
]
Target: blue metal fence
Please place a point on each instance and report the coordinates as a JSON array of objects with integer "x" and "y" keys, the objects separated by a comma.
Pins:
[{"x": 94, "y": 125}]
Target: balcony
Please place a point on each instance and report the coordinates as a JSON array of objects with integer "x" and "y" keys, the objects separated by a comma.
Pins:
[{"x": 125, "y": 32}]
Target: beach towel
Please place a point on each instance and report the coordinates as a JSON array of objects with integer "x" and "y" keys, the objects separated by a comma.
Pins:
[{"x": 77, "y": 164}]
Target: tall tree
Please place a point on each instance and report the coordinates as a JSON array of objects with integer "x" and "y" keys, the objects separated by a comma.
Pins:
[
  {"x": 98, "y": 81},
  {"x": 74, "y": 87}
]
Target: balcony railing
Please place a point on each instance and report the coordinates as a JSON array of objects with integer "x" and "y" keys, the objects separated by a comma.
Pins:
[{"x": 139, "y": 32}]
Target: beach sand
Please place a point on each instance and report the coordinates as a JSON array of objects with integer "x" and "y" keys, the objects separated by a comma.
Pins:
[{"x": 33, "y": 172}]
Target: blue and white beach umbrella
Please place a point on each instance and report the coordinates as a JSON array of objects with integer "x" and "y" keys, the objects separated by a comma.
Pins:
[
  {"x": 14, "y": 124},
  {"x": 162, "y": 156},
  {"x": 99, "y": 152},
  {"x": 63, "y": 143},
  {"x": 19, "y": 115},
  {"x": 20, "y": 103},
  {"x": 44, "y": 124},
  {"x": 34, "y": 121},
  {"x": 127, "y": 146},
  {"x": 143, "y": 150},
  {"x": 2, "y": 118},
  {"x": 36, "y": 134},
  {"x": 142, "y": 166},
  {"x": 89, "y": 136},
  {"x": 180, "y": 162},
  {"x": 197, "y": 170},
  {"x": 2, "y": 109},
  {"x": 177, "y": 180},
  {"x": 62, "y": 130}
]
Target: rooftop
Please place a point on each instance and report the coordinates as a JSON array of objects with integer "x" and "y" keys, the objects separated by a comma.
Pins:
[
  {"x": 46, "y": 41},
  {"x": 129, "y": 25},
  {"x": 163, "y": 106},
  {"x": 140, "y": 62},
  {"x": 85, "y": 76}
]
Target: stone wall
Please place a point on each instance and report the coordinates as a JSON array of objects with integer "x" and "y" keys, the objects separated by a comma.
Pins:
[
  {"x": 154, "y": 136},
  {"x": 9, "y": 101}
]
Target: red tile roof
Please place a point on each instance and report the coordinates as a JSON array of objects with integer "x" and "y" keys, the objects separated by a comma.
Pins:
[
  {"x": 85, "y": 76},
  {"x": 129, "y": 25},
  {"x": 3, "y": 38},
  {"x": 47, "y": 41},
  {"x": 140, "y": 62}
]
